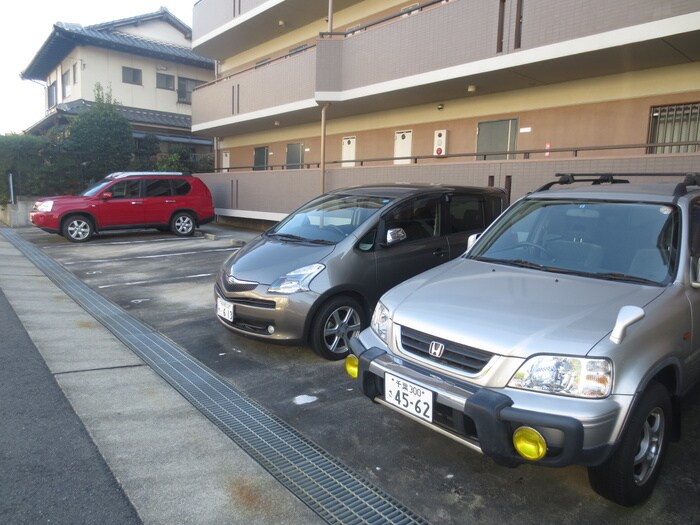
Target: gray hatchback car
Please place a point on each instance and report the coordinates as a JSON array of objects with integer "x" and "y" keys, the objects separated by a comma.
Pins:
[
  {"x": 316, "y": 275},
  {"x": 567, "y": 334}
]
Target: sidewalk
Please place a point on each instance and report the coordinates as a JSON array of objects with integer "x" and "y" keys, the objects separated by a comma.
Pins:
[{"x": 125, "y": 447}]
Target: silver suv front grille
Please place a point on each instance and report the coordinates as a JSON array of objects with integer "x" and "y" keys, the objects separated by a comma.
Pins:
[{"x": 466, "y": 358}]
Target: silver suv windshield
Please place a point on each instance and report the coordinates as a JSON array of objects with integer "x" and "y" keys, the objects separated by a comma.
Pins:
[
  {"x": 328, "y": 219},
  {"x": 626, "y": 241}
]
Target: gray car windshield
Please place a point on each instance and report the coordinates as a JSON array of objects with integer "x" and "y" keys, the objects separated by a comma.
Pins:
[
  {"x": 328, "y": 219},
  {"x": 622, "y": 241}
]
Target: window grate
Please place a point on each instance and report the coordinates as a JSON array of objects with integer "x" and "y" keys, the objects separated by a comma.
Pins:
[{"x": 673, "y": 124}]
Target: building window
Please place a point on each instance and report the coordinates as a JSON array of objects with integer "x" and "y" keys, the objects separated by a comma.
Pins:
[
  {"x": 51, "y": 95},
  {"x": 131, "y": 76},
  {"x": 185, "y": 86},
  {"x": 674, "y": 124},
  {"x": 164, "y": 81},
  {"x": 75, "y": 73},
  {"x": 65, "y": 84},
  {"x": 260, "y": 158}
]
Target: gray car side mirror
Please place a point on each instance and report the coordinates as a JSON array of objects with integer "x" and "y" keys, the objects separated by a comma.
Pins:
[{"x": 395, "y": 235}]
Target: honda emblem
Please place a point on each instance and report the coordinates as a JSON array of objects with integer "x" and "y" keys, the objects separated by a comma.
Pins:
[{"x": 436, "y": 349}]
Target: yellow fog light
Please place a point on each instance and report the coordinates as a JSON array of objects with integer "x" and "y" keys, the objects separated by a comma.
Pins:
[
  {"x": 352, "y": 366},
  {"x": 529, "y": 443}
]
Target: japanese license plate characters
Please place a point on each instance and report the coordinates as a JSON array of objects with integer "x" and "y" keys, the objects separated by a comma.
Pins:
[
  {"x": 224, "y": 309},
  {"x": 409, "y": 397}
]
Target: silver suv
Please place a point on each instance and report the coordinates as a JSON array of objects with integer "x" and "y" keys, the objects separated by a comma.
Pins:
[{"x": 565, "y": 335}]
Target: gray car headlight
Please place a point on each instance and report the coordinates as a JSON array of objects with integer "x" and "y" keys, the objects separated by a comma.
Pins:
[
  {"x": 567, "y": 376},
  {"x": 381, "y": 322},
  {"x": 297, "y": 280}
]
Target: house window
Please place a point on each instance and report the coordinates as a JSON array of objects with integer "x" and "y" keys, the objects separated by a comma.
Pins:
[
  {"x": 51, "y": 95},
  {"x": 131, "y": 76},
  {"x": 674, "y": 124},
  {"x": 164, "y": 81},
  {"x": 75, "y": 73},
  {"x": 185, "y": 86},
  {"x": 65, "y": 84}
]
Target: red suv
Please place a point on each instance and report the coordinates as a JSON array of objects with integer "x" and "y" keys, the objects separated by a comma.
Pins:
[{"x": 164, "y": 200}]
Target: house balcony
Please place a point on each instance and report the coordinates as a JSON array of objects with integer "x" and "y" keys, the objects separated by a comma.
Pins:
[{"x": 442, "y": 50}]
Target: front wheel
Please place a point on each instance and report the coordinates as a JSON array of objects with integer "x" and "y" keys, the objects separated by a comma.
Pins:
[
  {"x": 630, "y": 473},
  {"x": 338, "y": 321},
  {"x": 78, "y": 228},
  {"x": 182, "y": 224}
]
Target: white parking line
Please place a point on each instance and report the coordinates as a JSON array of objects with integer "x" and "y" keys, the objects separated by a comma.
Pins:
[
  {"x": 156, "y": 256},
  {"x": 156, "y": 281}
]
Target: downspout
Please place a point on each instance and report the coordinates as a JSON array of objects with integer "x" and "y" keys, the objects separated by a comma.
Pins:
[
  {"x": 324, "y": 109},
  {"x": 323, "y": 147}
]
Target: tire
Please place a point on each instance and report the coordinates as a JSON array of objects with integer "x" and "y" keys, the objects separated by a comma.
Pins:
[
  {"x": 182, "y": 224},
  {"x": 78, "y": 228},
  {"x": 628, "y": 476},
  {"x": 338, "y": 320}
]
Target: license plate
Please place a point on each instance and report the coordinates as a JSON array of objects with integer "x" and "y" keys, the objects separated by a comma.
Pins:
[
  {"x": 224, "y": 309},
  {"x": 409, "y": 397}
]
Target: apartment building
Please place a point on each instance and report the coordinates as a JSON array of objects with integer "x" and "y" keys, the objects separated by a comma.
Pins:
[
  {"x": 146, "y": 61},
  {"x": 311, "y": 95}
]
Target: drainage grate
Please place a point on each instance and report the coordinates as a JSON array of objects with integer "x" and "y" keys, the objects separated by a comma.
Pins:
[{"x": 329, "y": 488}]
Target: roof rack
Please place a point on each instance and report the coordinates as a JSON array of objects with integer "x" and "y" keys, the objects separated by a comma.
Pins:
[{"x": 691, "y": 179}]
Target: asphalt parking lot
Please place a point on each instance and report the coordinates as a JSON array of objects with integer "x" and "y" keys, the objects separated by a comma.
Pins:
[{"x": 166, "y": 282}]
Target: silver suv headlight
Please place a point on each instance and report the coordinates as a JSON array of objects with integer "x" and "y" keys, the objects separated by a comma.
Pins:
[
  {"x": 297, "y": 280},
  {"x": 381, "y": 322},
  {"x": 566, "y": 376}
]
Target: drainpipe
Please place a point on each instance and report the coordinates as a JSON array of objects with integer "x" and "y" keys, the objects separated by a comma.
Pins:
[
  {"x": 330, "y": 16},
  {"x": 322, "y": 167},
  {"x": 323, "y": 147}
]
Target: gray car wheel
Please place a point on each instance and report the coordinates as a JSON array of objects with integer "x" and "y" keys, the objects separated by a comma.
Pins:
[
  {"x": 338, "y": 321},
  {"x": 629, "y": 475},
  {"x": 77, "y": 228},
  {"x": 182, "y": 224}
]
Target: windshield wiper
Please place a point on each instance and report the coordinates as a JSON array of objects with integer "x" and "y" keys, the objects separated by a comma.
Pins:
[
  {"x": 616, "y": 276},
  {"x": 287, "y": 236},
  {"x": 320, "y": 241}
]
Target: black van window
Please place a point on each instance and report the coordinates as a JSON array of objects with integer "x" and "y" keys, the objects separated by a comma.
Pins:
[
  {"x": 466, "y": 213},
  {"x": 419, "y": 219}
]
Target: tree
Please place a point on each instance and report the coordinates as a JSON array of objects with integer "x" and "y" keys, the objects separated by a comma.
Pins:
[
  {"x": 179, "y": 159},
  {"x": 100, "y": 139},
  {"x": 22, "y": 156}
]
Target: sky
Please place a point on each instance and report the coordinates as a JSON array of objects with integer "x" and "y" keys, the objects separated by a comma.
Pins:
[{"x": 26, "y": 26}]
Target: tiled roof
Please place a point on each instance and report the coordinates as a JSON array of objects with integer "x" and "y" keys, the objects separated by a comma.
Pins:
[
  {"x": 174, "y": 127},
  {"x": 133, "y": 115},
  {"x": 65, "y": 37}
]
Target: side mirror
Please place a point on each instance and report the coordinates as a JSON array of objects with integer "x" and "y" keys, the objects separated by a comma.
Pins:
[
  {"x": 395, "y": 235},
  {"x": 106, "y": 195},
  {"x": 471, "y": 240}
]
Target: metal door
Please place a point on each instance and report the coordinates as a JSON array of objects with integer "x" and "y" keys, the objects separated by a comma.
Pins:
[
  {"x": 403, "y": 141},
  {"x": 348, "y": 152}
]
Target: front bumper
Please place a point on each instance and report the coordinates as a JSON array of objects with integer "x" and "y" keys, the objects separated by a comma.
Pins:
[
  {"x": 46, "y": 221},
  {"x": 271, "y": 317},
  {"x": 484, "y": 419}
]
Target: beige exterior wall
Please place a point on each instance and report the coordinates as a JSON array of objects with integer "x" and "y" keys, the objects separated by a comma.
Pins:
[{"x": 563, "y": 116}]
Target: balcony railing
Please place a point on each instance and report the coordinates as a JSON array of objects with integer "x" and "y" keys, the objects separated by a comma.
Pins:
[{"x": 524, "y": 154}]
